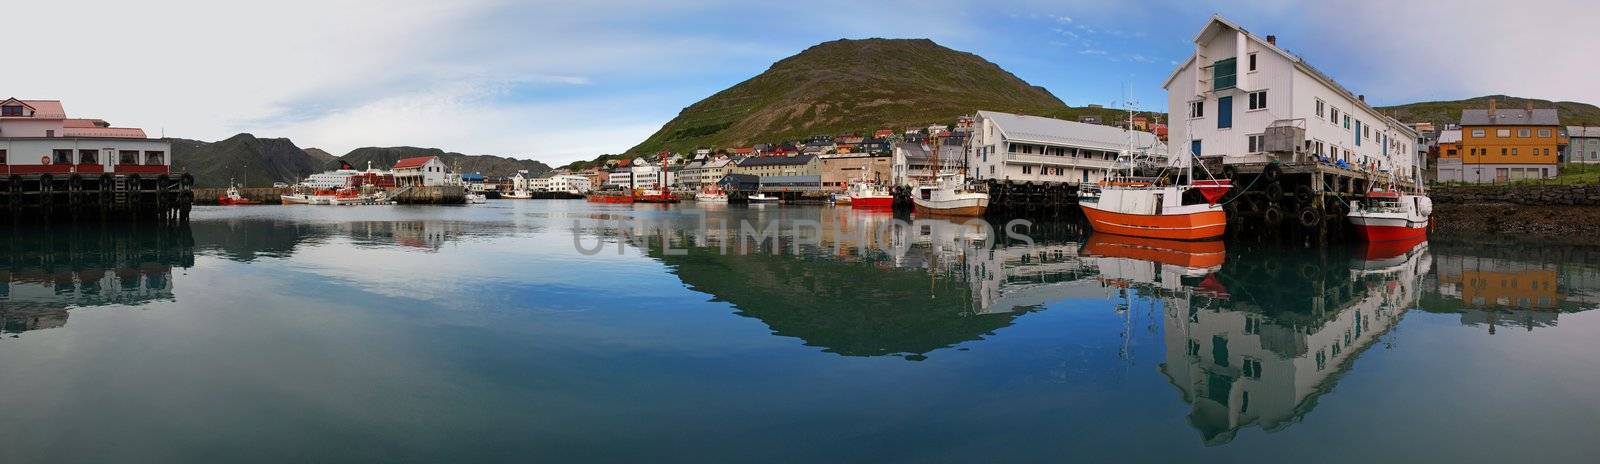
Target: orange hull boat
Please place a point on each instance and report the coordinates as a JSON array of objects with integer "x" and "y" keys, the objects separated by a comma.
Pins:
[
  {"x": 1197, "y": 255},
  {"x": 1193, "y": 226}
]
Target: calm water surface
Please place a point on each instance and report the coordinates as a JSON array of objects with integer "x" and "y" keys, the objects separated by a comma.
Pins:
[{"x": 564, "y": 331}]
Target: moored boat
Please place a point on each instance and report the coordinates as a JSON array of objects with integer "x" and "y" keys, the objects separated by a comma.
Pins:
[
  {"x": 948, "y": 195},
  {"x": 865, "y": 194},
  {"x": 761, "y": 198},
  {"x": 711, "y": 194},
  {"x": 518, "y": 195},
  {"x": 1391, "y": 215},
  {"x": 475, "y": 197},
  {"x": 1145, "y": 207},
  {"x": 234, "y": 197},
  {"x": 654, "y": 196}
]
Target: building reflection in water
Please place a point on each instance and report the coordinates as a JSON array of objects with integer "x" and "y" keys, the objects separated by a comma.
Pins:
[
  {"x": 43, "y": 273},
  {"x": 1526, "y": 290}
]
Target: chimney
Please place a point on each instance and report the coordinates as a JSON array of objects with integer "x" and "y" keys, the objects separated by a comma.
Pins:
[
  {"x": 1529, "y": 106},
  {"x": 1363, "y": 98},
  {"x": 1272, "y": 39},
  {"x": 1492, "y": 103}
]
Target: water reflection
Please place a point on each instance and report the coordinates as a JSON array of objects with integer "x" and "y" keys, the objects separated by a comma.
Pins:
[
  {"x": 45, "y": 272},
  {"x": 1524, "y": 290}
]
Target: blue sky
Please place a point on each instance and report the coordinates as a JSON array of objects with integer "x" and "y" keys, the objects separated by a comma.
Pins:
[{"x": 559, "y": 81}]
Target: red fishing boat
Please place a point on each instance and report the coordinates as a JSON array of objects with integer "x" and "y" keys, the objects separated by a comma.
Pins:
[
  {"x": 233, "y": 197},
  {"x": 1390, "y": 215},
  {"x": 868, "y": 194}
]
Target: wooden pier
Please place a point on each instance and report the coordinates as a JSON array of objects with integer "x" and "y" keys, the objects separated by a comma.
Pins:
[{"x": 96, "y": 197}]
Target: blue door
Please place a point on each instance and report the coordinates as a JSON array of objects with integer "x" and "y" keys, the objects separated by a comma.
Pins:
[
  {"x": 1224, "y": 112},
  {"x": 1194, "y": 148}
]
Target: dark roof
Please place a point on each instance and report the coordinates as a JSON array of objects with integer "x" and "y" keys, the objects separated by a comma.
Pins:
[
  {"x": 918, "y": 151},
  {"x": 1511, "y": 117},
  {"x": 777, "y": 160}
]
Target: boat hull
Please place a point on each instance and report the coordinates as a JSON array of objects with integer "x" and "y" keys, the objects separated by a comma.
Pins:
[
  {"x": 1200, "y": 255},
  {"x": 967, "y": 207},
  {"x": 1379, "y": 229},
  {"x": 619, "y": 199},
  {"x": 1191, "y": 226},
  {"x": 872, "y": 202}
]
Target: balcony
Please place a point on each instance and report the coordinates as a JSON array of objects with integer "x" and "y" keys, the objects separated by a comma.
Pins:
[
  {"x": 1224, "y": 74},
  {"x": 1054, "y": 160}
]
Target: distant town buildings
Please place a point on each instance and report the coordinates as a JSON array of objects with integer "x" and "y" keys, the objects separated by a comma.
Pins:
[{"x": 1583, "y": 144}]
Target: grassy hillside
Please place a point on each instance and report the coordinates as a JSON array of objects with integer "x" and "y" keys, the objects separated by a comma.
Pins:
[
  {"x": 850, "y": 86},
  {"x": 1449, "y": 112},
  {"x": 257, "y": 162},
  {"x": 384, "y": 157}
]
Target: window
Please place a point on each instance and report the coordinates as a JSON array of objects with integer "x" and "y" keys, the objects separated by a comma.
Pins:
[
  {"x": 12, "y": 110},
  {"x": 1194, "y": 148},
  {"x": 61, "y": 157},
  {"x": 1224, "y": 74},
  {"x": 1347, "y": 121},
  {"x": 1477, "y": 132},
  {"x": 1502, "y": 151},
  {"x": 1544, "y": 132},
  {"x": 128, "y": 157},
  {"x": 1258, "y": 100},
  {"x": 1320, "y": 105},
  {"x": 1224, "y": 112},
  {"x": 154, "y": 158},
  {"x": 1256, "y": 143},
  {"x": 1252, "y": 368},
  {"x": 1524, "y": 132},
  {"x": 2, "y": 157},
  {"x": 1197, "y": 109},
  {"x": 1502, "y": 133},
  {"x": 1513, "y": 152},
  {"x": 49, "y": 132},
  {"x": 1252, "y": 62},
  {"x": 1358, "y": 131},
  {"x": 88, "y": 156},
  {"x": 1027, "y": 169},
  {"x": 1334, "y": 115}
]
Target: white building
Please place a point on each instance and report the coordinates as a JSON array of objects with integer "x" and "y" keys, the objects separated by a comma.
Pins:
[
  {"x": 37, "y": 137},
  {"x": 1035, "y": 149},
  {"x": 567, "y": 183},
  {"x": 427, "y": 171},
  {"x": 638, "y": 175},
  {"x": 1223, "y": 98}
]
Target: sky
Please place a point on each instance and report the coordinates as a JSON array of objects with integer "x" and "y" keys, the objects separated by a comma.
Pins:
[{"x": 559, "y": 81}]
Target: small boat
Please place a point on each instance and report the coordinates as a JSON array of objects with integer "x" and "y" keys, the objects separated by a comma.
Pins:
[
  {"x": 1146, "y": 207},
  {"x": 711, "y": 194},
  {"x": 518, "y": 195},
  {"x": 1391, "y": 215},
  {"x": 233, "y": 197},
  {"x": 761, "y": 198},
  {"x": 948, "y": 195},
  {"x": 295, "y": 199},
  {"x": 866, "y": 194},
  {"x": 611, "y": 196},
  {"x": 475, "y": 197}
]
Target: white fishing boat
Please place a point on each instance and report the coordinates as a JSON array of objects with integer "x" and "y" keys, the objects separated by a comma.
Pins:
[
  {"x": 1145, "y": 207},
  {"x": 295, "y": 198},
  {"x": 762, "y": 198},
  {"x": 475, "y": 197},
  {"x": 947, "y": 194},
  {"x": 1391, "y": 215},
  {"x": 518, "y": 195}
]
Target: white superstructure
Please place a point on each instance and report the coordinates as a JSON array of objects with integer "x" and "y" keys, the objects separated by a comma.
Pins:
[{"x": 1223, "y": 98}]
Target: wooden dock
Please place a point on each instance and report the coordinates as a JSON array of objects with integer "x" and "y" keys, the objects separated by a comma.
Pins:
[{"x": 106, "y": 197}]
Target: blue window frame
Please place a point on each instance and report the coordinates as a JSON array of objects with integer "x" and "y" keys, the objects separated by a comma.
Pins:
[
  {"x": 1194, "y": 148},
  {"x": 1224, "y": 112}
]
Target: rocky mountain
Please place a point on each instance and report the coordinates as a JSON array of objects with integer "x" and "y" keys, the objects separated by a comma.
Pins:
[
  {"x": 259, "y": 162},
  {"x": 850, "y": 86},
  {"x": 384, "y": 157},
  {"x": 244, "y": 158},
  {"x": 1449, "y": 112}
]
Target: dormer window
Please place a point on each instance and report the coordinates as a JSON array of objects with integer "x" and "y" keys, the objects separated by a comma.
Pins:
[{"x": 11, "y": 110}]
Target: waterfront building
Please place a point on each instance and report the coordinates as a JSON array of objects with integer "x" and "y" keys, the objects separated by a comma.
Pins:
[
  {"x": 688, "y": 176},
  {"x": 838, "y": 171},
  {"x": 1224, "y": 97},
  {"x": 37, "y": 137},
  {"x": 1448, "y": 166},
  {"x": 1036, "y": 149},
  {"x": 569, "y": 183},
  {"x": 764, "y": 166},
  {"x": 425, "y": 171},
  {"x": 1583, "y": 144},
  {"x": 638, "y": 174},
  {"x": 914, "y": 160},
  {"x": 715, "y": 169},
  {"x": 1501, "y": 144}
]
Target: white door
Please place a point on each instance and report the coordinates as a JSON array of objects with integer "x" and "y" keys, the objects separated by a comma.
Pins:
[{"x": 108, "y": 159}]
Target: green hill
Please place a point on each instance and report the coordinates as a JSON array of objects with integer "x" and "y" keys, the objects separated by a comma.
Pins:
[
  {"x": 850, "y": 86},
  {"x": 384, "y": 157},
  {"x": 1449, "y": 112},
  {"x": 244, "y": 158}
]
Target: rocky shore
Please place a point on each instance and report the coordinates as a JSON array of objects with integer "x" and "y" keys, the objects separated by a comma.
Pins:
[{"x": 1547, "y": 213}]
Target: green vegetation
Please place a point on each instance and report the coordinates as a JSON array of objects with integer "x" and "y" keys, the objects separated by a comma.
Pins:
[
  {"x": 1449, "y": 112},
  {"x": 851, "y": 86},
  {"x": 1571, "y": 174}
]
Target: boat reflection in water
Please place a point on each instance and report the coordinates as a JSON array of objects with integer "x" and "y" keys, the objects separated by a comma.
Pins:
[
  {"x": 1276, "y": 328},
  {"x": 43, "y": 273}
]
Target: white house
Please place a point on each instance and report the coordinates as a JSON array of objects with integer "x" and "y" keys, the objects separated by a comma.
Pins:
[
  {"x": 568, "y": 183},
  {"x": 1223, "y": 98},
  {"x": 37, "y": 137},
  {"x": 427, "y": 171},
  {"x": 1035, "y": 149},
  {"x": 638, "y": 175}
]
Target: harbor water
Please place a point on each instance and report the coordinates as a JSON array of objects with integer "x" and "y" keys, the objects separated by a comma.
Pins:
[{"x": 561, "y": 331}]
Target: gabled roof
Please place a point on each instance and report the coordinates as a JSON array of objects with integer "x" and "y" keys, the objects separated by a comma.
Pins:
[
  {"x": 1583, "y": 131},
  {"x": 112, "y": 132},
  {"x": 1218, "y": 24},
  {"x": 1070, "y": 133},
  {"x": 42, "y": 109},
  {"x": 1511, "y": 117},
  {"x": 413, "y": 162},
  {"x": 1450, "y": 136}
]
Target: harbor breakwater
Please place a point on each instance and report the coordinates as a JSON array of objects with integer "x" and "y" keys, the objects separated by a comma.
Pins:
[
  {"x": 1536, "y": 212},
  {"x": 439, "y": 195}
]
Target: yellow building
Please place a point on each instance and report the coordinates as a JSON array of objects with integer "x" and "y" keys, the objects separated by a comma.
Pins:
[{"x": 1499, "y": 145}]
